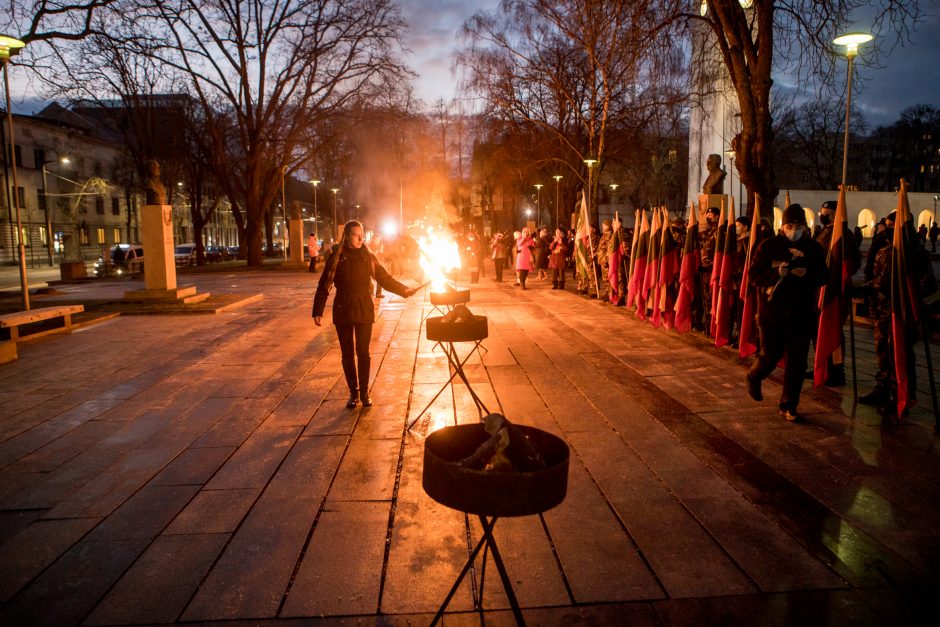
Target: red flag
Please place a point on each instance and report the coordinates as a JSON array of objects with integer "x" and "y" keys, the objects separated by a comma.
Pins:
[
  {"x": 639, "y": 268},
  {"x": 832, "y": 297},
  {"x": 631, "y": 292},
  {"x": 905, "y": 299},
  {"x": 652, "y": 255},
  {"x": 616, "y": 256},
  {"x": 668, "y": 268},
  {"x": 726, "y": 282},
  {"x": 687, "y": 275},
  {"x": 747, "y": 336},
  {"x": 652, "y": 268},
  {"x": 716, "y": 267}
]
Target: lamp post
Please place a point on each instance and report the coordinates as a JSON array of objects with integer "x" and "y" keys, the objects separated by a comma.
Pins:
[
  {"x": 284, "y": 212},
  {"x": 538, "y": 200},
  {"x": 335, "y": 190},
  {"x": 45, "y": 208},
  {"x": 557, "y": 178},
  {"x": 590, "y": 163},
  {"x": 10, "y": 46},
  {"x": 613, "y": 191},
  {"x": 316, "y": 215},
  {"x": 851, "y": 42}
]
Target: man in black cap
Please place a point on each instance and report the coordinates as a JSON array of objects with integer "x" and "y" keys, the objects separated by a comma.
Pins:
[
  {"x": 786, "y": 270},
  {"x": 850, "y": 252}
]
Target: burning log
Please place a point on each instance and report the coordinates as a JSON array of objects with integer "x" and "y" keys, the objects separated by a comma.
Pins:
[{"x": 508, "y": 449}]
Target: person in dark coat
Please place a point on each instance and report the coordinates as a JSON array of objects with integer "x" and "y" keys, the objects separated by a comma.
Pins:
[
  {"x": 351, "y": 267},
  {"x": 558, "y": 256},
  {"x": 787, "y": 271}
]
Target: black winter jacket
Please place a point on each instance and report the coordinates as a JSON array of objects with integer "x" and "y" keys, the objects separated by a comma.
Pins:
[
  {"x": 791, "y": 299},
  {"x": 352, "y": 271}
]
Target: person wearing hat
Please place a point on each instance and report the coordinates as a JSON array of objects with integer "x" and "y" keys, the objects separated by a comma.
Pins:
[
  {"x": 708, "y": 239},
  {"x": 787, "y": 271},
  {"x": 884, "y": 394},
  {"x": 850, "y": 252},
  {"x": 602, "y": 255}
]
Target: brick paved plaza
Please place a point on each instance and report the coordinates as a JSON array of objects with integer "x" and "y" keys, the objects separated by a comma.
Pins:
[{"x": 204, "y": 468}]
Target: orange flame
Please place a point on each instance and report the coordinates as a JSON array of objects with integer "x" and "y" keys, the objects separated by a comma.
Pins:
[{"x": 439, "y": 255}]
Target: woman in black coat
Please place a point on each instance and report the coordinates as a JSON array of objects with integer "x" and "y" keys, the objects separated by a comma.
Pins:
[{"x": 351, "y": 267}]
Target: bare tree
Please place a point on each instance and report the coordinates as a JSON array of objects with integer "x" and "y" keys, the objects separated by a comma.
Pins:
[
  {"x": 756, "y": 37},
  {"x": 573, "y": 70}
]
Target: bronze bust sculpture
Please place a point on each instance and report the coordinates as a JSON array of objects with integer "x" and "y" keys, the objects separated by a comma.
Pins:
[
  {"x": 714, "y": 184},
  {"x": 154, "y": 192}
]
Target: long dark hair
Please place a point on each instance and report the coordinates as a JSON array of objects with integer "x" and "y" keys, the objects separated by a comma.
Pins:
[{"x": 347, "y": 233}]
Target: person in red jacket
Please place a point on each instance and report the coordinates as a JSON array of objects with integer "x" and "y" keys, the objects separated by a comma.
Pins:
[{"x": 351, "y": 267}]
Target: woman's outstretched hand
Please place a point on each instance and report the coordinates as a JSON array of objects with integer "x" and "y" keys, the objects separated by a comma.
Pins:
[{"x": 317, "y": 320}]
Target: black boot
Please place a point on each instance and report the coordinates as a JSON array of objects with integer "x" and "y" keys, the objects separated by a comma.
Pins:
[
  {"x": 365, "y": 398},
  {"x": 353, "y": 399},
  {"x": 836, "y": 376},
  {"x": 875, "y": 397}
]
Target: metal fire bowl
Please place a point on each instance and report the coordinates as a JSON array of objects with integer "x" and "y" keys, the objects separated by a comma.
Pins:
[
  {"x": 454, "y": 297},
  {"x": 490, "y": 493},
  {"x": 469, "y": 331}
]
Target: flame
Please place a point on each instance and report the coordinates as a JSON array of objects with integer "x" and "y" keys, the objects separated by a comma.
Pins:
[{"x": 439, "y": 254}]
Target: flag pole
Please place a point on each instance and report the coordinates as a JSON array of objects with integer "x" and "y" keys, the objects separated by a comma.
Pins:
[
  {"x": 852, "y": 338},
  {"x": 597, "y": 288},
  {"x": 925, "y": 332}
]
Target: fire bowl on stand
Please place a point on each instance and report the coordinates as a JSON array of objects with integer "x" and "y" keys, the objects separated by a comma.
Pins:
[
  {"x": 473, "y": 330},
  {"x": 489, "y": 492},
  {"x": 450, "y": 298}
]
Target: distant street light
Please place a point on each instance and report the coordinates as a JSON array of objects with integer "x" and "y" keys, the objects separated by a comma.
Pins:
[
  {"x": 538, "y": 199},
  {"x": 557, "y": 178},
  {"x": 10, "y": 46},
  {"x": 316, "y": 215},
  {"x": 851, "y": 42},
  {"x": 45, "y": 205},
  {"x": 590, "y": 163},
  {"x": 335, "y": 190}
]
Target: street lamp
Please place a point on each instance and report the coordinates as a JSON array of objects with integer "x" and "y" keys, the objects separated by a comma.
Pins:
[
  {"x": 590, "y": 163},
  {"x": 45, "y": 204},
  {"x": 538, "y": 199},
  {"x": 284, "y": 211},
  {"x": 316, "y": 216},
  {"x": 851, "y": 41},
  {"x": 10, "y": 46},
  {"x": 557, "y": 178},
  {"x": 335, "y": 190}
]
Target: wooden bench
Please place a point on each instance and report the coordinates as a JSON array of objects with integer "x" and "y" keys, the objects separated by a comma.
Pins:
[{"x": 10, "y": 326}]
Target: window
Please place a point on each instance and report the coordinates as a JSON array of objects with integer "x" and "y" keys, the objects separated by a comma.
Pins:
[
  {"x": 117, "y": 235},
  {"x": 100, "y": 232},
  {"x": 18, "y": 152},
  {"x": 99, "y": 205},
  {"x": 43, "y": 236},
  {"x": 41, "y": 199},
  {"x": 83, "y": 235},
  {"x": 115, "y": 206},
  {"x": 96, "y": 169},
  {"x": 39, "y": 157},
  {"x": 20, "y": 195}
]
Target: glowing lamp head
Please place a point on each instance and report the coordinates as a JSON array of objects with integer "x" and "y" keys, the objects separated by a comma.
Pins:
[
  {"x": 852, "y": 41},
  {"x": 9, "y": 46},
  {"x": 389, "y": 228}
]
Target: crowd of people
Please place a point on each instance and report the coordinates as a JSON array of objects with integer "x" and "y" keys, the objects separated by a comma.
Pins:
[{"x": 783, "y": 272}]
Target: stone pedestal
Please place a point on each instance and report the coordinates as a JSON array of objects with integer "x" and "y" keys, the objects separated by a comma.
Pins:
[
  {"x": 159, "y": 264},
  {"x": 297, "y": 241},
  {"x": 71, "y": 270},
  {"x": 711, "y": 200}
]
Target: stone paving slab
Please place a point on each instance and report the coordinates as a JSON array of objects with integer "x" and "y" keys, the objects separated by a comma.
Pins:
[{"x": 156, "y": 470}]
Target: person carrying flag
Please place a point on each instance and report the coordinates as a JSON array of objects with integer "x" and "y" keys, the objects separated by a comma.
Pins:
[
  {"x": 896, "y": 299},
  {"x": 786, "y": 269},
  {"x": 842, "y": 262},
  {"x": 708, "y": 240}
]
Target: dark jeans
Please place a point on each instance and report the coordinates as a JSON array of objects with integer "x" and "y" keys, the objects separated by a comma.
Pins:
[
  {"x": 523, "y": 275},
  {"x": 779, "y": 339},
  {"x": 313, "y": 263},
  {"x": 500, "y": 263},
  {"x": 558, "y": 277},
  {"x": 362, "y": 335}
]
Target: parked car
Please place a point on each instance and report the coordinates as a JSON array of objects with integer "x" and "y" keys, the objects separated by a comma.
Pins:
[
  {"x": 216, "y": 253},
  {"x": 185, "y": 254},
  {"x": 123, "y": 259},
  {"x": 233, "y": 252}
]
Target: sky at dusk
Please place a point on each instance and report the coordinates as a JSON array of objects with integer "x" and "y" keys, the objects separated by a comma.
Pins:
[{"x": 908, "y": 74}]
